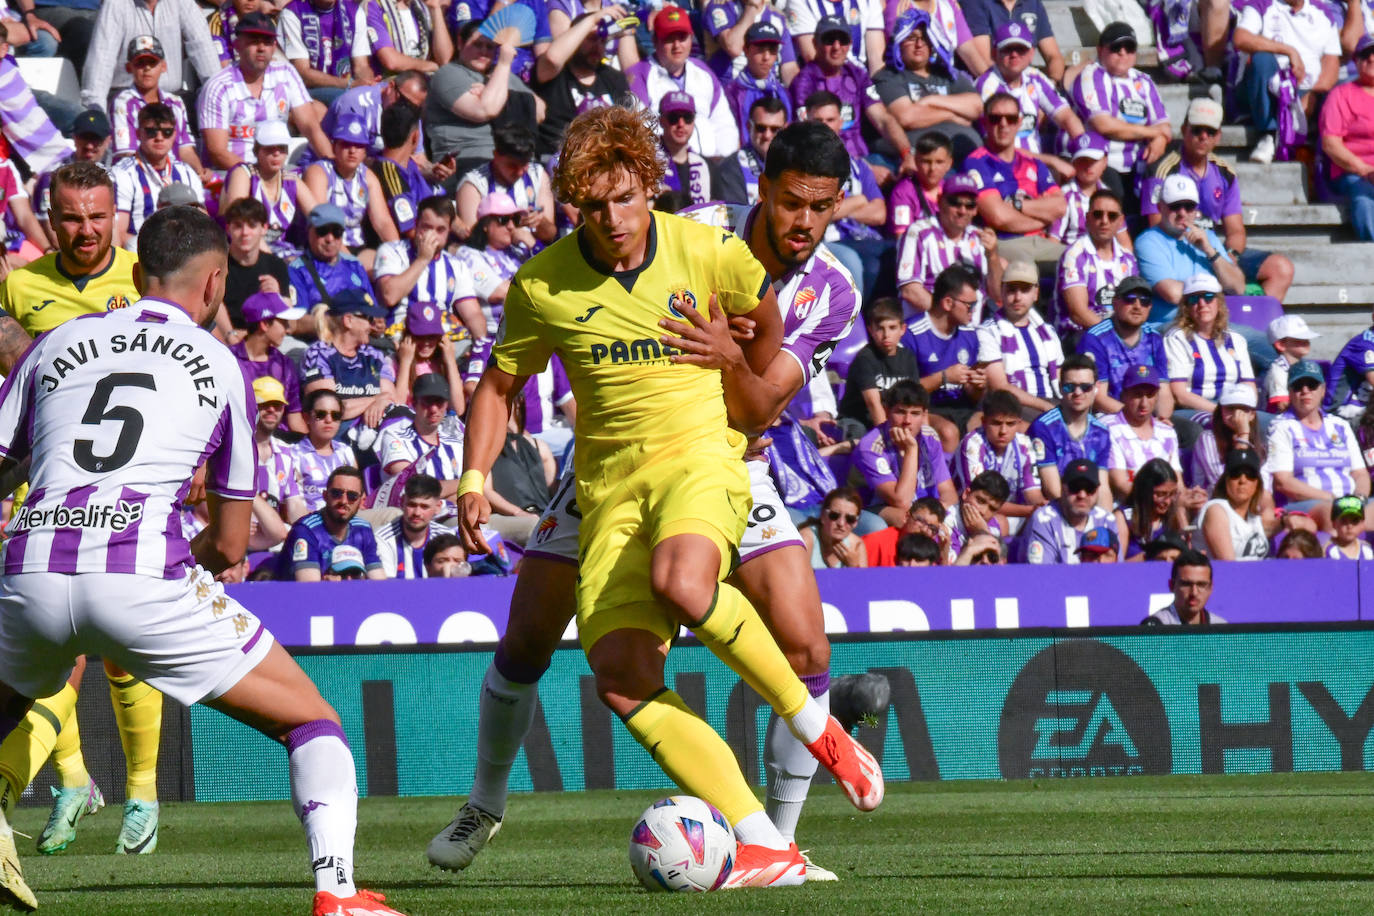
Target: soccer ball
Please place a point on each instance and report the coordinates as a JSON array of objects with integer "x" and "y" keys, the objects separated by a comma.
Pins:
[{"x": 681, "y": 843}]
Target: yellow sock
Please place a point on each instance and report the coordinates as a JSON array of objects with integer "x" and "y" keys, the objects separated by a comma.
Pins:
[
  {"x": 692, "y": 754},
  {"x": 67, "y": 758},
  {"x": 734, "y": 633},
  {"x": 138, "y": 713},
  {"x": 28, "y": 747}
]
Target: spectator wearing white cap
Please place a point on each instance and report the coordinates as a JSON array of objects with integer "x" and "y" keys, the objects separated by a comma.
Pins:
[
  {"x": 1017, "y": 349},
  {"x": 1204, "y": 354},
  {"x": 259, "y": 353},
  {"x": 1035, "y": 93},
  {"x": 688, "y": 172},
  {"x": 1292, "y": 339},
  {"x": 926, "y": 250},
  {"x": 420, "y": 269},
  {"x": 1230, "y": 427},
  {"x": 266, "y": 179},
  {"x": 1295, "y": 36},
  {"x": 672, "y": 68},
  {"x": 1091, "y": 267},
  {"x": 1178, "y": 248},
  {"x": 1219, "y": 196}
]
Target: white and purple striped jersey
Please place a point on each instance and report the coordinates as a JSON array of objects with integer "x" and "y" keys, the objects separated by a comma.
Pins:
[
  {"x": 124, "y": 109},
  {"x": 1073, "y": 225},
  {"x": 400, "y": 442},
  {"x": 138, "y": 183},
  {"x": 1207, "y": 365},
  {"x": 1323, "y": 458},
  {"x": 929, "y": 249},
  {"x": 1030, "y": 355},
  {"x": 25, "y": 124},
  {"x": 116, "y": 411},
  {"x": 977, "y": 455},
  {"x": 399, "y": 559},
  {"x": 1334, "y": 552},
  {"x": 314, "y": 469},
  {"x": 525, "y": 190},
  {"x": 1132, "y": 98},
  {"x": 958, "y": 532},
  {"x": 1037, "y": 97},
  {"x": 278, "y": 478},
  {"x": 544, "y": 394},
  {"x": 818, "y": 299},
  {"x": 445, "y": 281},
  {"x": 1081, "y": 265},
  {"x": 226, "y": 104},
  {"x": 1129, "y": 452}
]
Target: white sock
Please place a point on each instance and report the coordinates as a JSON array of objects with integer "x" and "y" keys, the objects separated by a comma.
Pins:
[
  {"x": 505, "y": 712},
  {"x": 790, "y": 768},
  {"x": 758, "y": 830},
  {"x": 324, "y": 794},
  {"x": 809, "y": 723}
]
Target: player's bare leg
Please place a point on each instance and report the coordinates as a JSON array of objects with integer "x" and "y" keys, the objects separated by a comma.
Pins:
[
  {"x": 279, "y": 700},
  {"x": 543, "y": 604}
]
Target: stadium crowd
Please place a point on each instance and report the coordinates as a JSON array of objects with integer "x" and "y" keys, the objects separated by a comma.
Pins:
[{"x": 1046, "y": 371}]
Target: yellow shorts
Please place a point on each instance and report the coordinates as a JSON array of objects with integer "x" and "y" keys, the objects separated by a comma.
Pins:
[{"x": 622, "y": 524}]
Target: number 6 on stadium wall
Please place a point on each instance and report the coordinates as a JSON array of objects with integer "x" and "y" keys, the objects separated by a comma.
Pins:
[{"x": 98, "y": 411}]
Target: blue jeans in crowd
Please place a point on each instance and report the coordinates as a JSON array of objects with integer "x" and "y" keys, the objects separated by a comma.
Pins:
[
  {"x": 1254, "y": 89},
  {"x": 1360, "y": 192}
]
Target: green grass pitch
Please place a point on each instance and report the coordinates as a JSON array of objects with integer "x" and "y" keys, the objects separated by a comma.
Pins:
[{"x": 1228, "y": 844}]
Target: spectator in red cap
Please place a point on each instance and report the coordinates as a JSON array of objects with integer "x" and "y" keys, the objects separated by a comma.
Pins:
[
  {"x": 266, "y": 316},
  {"x": 687, "y": 172},
  {"x": 672, "y": 68},
  {"x": 426, "y": 349}
]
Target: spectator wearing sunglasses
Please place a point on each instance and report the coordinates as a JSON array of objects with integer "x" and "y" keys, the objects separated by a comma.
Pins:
[
  {"x": 1178, "y": 248},
  {"x": 421, "y": 445},
  {"x": 739, "y": 174},
  {"x": 1055, "y": 530},
  {"x": 1071, "y": 431},
  {"x": 1205, "y": 355},
  {"x": 831, "y": 541},
  {"x": 1091, "y": 268},
  {"x": 1017, "y": 349},
  {"x": 1219, "y": 196},
  {"x": 325, "y": 268},
  {"x": 1239, "y": 520},
  {"x": 512, "y": 171},
  {"x": 318, "y": 455},
  {"x": 671, "y": 68},
  {"x": 1125, "y": 341},
  {"x": 927, "y": 250},
  {"x": 140, "y": 177},
  {"x": 1038, "y": 101},
  {"x": 757, "y": 74},
  {"x": 864, "y": 25},
  {"x": 687, "y": 171},
  {"x": 923, "y": 95},
  {"x": 1122, "y": 104},
  {"x": 309, "y": 549}
]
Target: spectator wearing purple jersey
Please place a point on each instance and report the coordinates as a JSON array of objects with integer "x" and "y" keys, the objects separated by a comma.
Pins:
[
  {"x": 758, "y": 78},
  {"x": 255, "y": 89},
  {"x": 1314, "y": 457},
  {"x": 1136, "y": 435},
  {"x": 402, "y": 542},
  {"x": 317, "y": 455},
  {"x": 327, "y": 42},
  {"x": 1350, "y": 380},
  {"x": 420, "y": 269},
  {"x": 259, "y": 354},
  {"x": 901, "y": 459},
  {"x": 178, "y": 24},
  {"x": 1091, "y": 268},
  {"x": 1100, "y": 545},
  {"x": 672, "y": 68},
  {"x": 284, "y": 197},
  {"x": 305, "y": 557},
  {"x": 926, "y": 251},
  {"x": 865, "y": 23},
  {"x": 1126, "y": 341},
  {"x": 975, "y": 518},
  {"x": 1070, "y": 431},
  {"x": 152, "y": 168},
  {"x": 1219, "y": 198},
  {"x": 946, "y": 346},
  {"x": 1155, "y": 504},
  {"x": 918, "y": 88},
  {"x": 1038, "y": 101},
  {"x": 1017, "y": 195},
  {"x": 734, "y": 25},
  {"x": 410, "y": 35},
  {"x": 1055, "y": 530},
  {"x": 833, "y": 72},
  {"x": 1122, "y": 104},
  {"x": 222, "y": 23},
  {"x": 1088, "y": 155},
  {"x": 422, "y": 444},
  {"x": 914, "y": 198},
  {"x": 985, "y": 17},
  {"x": 688, "y": 172},
  {"x": 1017, "y": 349},
  {"x": 997, "y": 447},
  {"x": 146, "y": 63},
  {"x": 399, "y": 173},
  {"x": 278, "y": 502},
  {"x": 739, "y": 174}
]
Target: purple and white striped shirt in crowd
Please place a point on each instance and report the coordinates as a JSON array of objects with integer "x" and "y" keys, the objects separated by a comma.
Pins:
[
  {"x": 1073, "y": 225},
  {"x": 446, "y": 280},
  {"x": 1081, "y": 265},
  {"x": 1030, "y": 355},
  {"x": 544, "y": 393},
  {"x": 124, "y": 111},
  {"x": 24, "y": 123},
  {"x": 106, "y": 497},
  {"x": 1130, "y": 452},
  {"x": 925, "y": 252},
  {"x": 958, "y": 532},
  {"x": 1207, "y": 365},
  {"x": 1036, "y": 95},
  {"x": 278, "y": 478},
  {"x": 1323, "y": 458},
  {"x": 227, "y": 104},
  {"x": 1132, "y": 98},
  {"x": 977, "y": 455},
  {"x": 314, "y": 469},
  {"x": 400, "y": 442}
]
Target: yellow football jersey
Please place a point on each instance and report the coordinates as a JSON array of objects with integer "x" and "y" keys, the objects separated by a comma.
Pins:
[
  {"x": 40, "y": 295},
  {"x": 604, "y": 328}
]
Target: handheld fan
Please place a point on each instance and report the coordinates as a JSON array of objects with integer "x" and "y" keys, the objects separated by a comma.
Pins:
[{"x": 512, "y": 24}]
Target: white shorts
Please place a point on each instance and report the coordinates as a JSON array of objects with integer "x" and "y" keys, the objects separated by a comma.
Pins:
[
  {"x": 185, "y": 637},
  {"x": 770, "y": 526}
]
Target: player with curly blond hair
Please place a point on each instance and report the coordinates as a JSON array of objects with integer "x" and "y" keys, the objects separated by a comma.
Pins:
[{"x": 660, "y": 483}]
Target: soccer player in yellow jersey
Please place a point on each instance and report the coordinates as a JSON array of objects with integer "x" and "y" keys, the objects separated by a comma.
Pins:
[
  {"x": 86, "y": 275},
  {"x": 659, "y": 476}
]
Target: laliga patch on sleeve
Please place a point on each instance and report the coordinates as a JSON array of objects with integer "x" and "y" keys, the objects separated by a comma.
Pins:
[
  {"x": 1036, "y": 553},
  {"x": 1369, "y": 356},
  {"x": 1038, "y": 449},
  {"x": 300, "y": 551},
  {"x": 718, "y": 18},
  {"x": 882, "y": 466},
  {"x": 404, "y": 212}
]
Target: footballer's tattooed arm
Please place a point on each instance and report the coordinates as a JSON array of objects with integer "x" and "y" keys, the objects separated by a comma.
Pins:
[{"x": 13, "y": 343}]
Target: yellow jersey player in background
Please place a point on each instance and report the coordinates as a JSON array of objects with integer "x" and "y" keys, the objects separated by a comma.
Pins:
[
  {"x": 86, "y": 275},
  {"x": 660, "y": 480}
]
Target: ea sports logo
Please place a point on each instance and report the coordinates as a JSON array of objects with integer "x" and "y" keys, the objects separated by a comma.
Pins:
[
  {"x": 1082, "y": 708},
  {"x": 680, "y": 301}
]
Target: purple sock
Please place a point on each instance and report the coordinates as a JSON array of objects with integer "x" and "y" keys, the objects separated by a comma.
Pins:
[
  {"x": 324, "y": 793},
  {"x": 816, "y": 684}
]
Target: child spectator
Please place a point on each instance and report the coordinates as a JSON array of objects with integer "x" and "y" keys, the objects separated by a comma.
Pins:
[
  {"x": 923, "y": 518},
  {"x": 1351, "y": 377},
  {"x": 1292, "y": 338},
  {"x": 1099, "y": 546},
  {"x": 1017, "y": 349},
  {"x": 879, "y": 365},
  {"x": 146, "y": 64},
  {"x": 976, "y": 512},
  {"x": 901, "y": 458},
  {"x": 1347, "y": 530},
  {"x": 917, "y": 550},
  {"x": 1300, "y": 545},
  {"x": 914, "y": 199},
  {"x": 426, "y": 349},
  {"x": 999, "y": 448}
]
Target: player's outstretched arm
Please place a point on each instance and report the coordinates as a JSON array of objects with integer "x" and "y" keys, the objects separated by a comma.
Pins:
[
  {"x": 486, "y": 434},
  {"x": 759, "y": 379},
  {"x": 225, "y": 540},
  {"x": 13, "y": 342}
]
